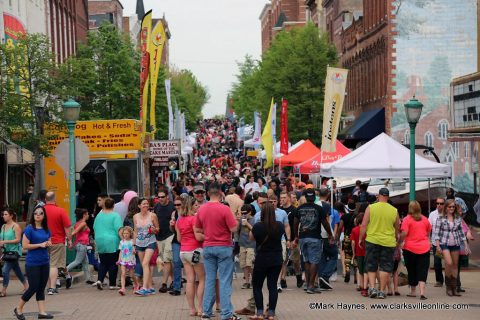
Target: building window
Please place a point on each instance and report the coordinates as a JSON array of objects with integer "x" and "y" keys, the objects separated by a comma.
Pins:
[
  {"x": 406, "y": 137},
  {"x": 456, "y": 149},
  {"x": 429, "y": 139},
  {"x": 442, "y": 129},
  {"x": 466, "y": 149}
]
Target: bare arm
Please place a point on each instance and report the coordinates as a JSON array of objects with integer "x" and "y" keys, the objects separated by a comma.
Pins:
[
  {"x": 363, "y": 227},
  {"x": 79, "y": 228},
  {"x": 288, "y": 231},
  {"x": 18, "y": 235},
  {"x": 396, "y": 225},
  {"x": 338, "y": 230},
  {"x": 155, "y": 223},
  {"x": 28, "y": 246}
]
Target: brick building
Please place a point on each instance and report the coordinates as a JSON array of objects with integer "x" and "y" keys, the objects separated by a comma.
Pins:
[
  {"x": 281, "y": 15},
  {"x": 100, "y": 11}
]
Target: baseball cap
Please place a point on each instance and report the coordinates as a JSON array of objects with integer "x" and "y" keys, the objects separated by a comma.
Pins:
[
  {"x": 198, "y": 187},
  {"x": 384, "y": 192},
  {"x": 309, "y": 194}
]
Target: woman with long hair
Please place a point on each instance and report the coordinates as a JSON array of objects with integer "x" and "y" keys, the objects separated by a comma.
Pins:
[
  {"x": 146, "y": 226},
  {"x": 267, "y": 234},
  {"x": 448, "y": 236},
  {"x": 191, "y": 253},
  {"x": 415, "y": 230},
  {"x": 36, "y": 240},
  {"x": 133, "y": 209},
  {"x": 10, "y": 237}
]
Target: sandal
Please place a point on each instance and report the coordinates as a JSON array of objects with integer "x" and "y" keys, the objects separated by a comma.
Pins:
[
  {"x": 390, "y": 294},
  {"x": 397, "y": 293},
  {"x": 121, "y": 292},
  {"x": 2, "y": 294},
  {"x": 411, "y": 295}
]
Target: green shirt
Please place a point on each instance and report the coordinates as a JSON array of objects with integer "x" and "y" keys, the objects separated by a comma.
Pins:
[
  {"x": 9, "y": 234},
  {"x": 106, "y": 228},
  {"x": 381, "y": 226}
]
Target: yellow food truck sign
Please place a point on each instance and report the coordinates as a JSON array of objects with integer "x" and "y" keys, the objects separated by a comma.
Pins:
[{"x": 99, "y": 135}]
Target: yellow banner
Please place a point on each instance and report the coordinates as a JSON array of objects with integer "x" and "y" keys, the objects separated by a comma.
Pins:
[
  {"x": 157, "y": 41},
  {"x": 335, "y": 84},
  {"x": 99, "y": 135},
  {"x": 144, "y": 68},
  {"x": 267, "y": 138}
]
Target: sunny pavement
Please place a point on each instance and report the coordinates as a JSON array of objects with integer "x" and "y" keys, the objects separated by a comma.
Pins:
[{"x": 86, "y": 302}]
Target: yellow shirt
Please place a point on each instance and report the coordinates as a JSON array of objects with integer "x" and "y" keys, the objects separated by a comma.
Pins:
[{"x": 381, "y": 226}]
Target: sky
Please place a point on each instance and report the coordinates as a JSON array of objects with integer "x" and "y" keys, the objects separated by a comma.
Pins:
[{"x": 208, "y": 38}]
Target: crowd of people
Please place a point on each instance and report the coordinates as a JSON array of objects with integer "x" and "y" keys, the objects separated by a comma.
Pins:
[{"x": 225, "y": 209}]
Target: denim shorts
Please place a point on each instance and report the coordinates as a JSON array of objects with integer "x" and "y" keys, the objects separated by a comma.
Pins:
[
  {"x": 450, "y": 248},
  {"x": 311, "y": 249},
  {"x": 152, "y": 246}
]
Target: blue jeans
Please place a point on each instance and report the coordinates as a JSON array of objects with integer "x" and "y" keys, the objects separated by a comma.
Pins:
[
  {"x": 6, "y": 272},
  {"x": 218, "y": 260},
  {"x": 328, "y": 261},
  {"x": 81, "y": 258},
  {"x": 177, "y": 267}
]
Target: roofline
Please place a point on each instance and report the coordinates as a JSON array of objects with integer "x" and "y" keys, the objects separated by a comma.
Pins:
[
  {"x": 265, "y": 8},
  {"x": 466, "y": 78}
]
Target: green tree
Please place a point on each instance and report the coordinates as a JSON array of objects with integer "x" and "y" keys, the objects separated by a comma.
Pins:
[
  {"x": 104, "y": 76},
  {"x": 294, "y": 68},
  {"x": 28, "y": 94}
]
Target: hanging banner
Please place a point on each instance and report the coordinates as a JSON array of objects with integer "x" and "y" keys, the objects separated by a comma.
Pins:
[
  {"x": 18, "y": 78},
  {"x": 284, "y": 128},
  {"x": 170, "y": 112},
  {"x": 268, "y": 140},
  {"x": 332, "y": 107},
  {"x": 274, "y": 130},
  {"x": 157, "y": 41},
  {"x": 144, "y": 69},
  {"x": 257, "y": 134}
]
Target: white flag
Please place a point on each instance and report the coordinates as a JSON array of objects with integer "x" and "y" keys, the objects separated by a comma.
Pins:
[
  {"x": 257, "y": 134},
  {"x": 170, "y": 112},
  {"x": 274, "y": 129}
]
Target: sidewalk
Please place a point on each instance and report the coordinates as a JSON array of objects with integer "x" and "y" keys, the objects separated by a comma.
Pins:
[{"x": 86, "y": 302}]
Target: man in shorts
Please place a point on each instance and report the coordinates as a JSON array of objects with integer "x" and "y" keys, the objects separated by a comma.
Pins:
[
  {"x": 59, "y": 226},
  {"x": 383, "y": 223},
  {"x": 163, "y": 209}
]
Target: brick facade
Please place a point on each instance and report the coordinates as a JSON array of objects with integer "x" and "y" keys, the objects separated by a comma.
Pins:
[
  {"x": 67, "y": 24},
  {"x": 99, "y": 11},
  {"x": 281, "y": 15}
]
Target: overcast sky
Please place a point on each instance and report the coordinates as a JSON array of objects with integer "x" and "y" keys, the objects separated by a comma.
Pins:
[{"x": 208, "y": 37}]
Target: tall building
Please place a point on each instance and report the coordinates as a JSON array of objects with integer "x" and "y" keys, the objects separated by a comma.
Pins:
[
  {"x": 281, "y": 15},
  {"x": 100, "y": 11}
]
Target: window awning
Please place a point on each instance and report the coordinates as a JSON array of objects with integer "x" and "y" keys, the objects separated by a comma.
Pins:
[{"x": 366, "y": 127}]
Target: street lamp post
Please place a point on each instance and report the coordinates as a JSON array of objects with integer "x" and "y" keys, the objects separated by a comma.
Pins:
[
  {"x": 413, "y": 110},
  {"x": 71, "y": 112}
]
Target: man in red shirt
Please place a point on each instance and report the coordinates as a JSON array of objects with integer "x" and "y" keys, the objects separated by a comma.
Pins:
[
  {"x": 59, "y": 226},
  {"x": 217, "y": 223}
]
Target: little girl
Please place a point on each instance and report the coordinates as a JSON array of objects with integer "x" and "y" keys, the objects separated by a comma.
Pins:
[{"x": 126, "y": 258}]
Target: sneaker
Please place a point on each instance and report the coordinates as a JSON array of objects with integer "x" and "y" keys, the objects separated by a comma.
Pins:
[
  {"x": 333, "y": 277},
  {"x": 99, "y": 285},
  {"x": 311, "y": 290},
  {"x": 68, "y": 281},
  {"x": 151, "y": 291},
  {"x": 372, "y": 293},
  {"x": 142, "y": 292},
  {"x": 50, "y": 291},
  {"x": 299, "y": 281},
  {"x": 94, "y": 284},
  {"x": 324, "y": 283},
  {"x": 347, "y": 278},
  {"x": 204, "y": 316},
  {"x": 279, "y": 289},
  {"x": 58, "y": 284},
  {"x": 381, "y": 295},
  {"x": 163, "y": 288},
  {"x": 246, "y": 285},
  {"x": 90, "y": 282},
  {"x": 283, "y": 283},
  {"x": 305, "y": 287},
  {"x": 175, "y": 292},
  {"x": 234, "y": 317},
  {"x": 170, "y": 288}
]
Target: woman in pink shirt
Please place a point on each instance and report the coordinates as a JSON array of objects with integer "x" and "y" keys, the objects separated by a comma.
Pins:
[
  {"x": 191, "y": 252},
  {"x": 416, "y": 249}
]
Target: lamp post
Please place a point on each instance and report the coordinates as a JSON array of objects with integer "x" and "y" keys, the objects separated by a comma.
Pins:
[
  {"x": 413, "y": 110},
  {"x": 71, "y": 112}
]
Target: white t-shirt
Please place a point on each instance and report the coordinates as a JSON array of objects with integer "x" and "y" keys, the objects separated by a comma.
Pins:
[
  {"x": 432, "y": 218},
  {"x": 254, "y": 186}
]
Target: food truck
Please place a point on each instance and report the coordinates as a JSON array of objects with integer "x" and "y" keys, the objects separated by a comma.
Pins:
[{"x": 112, "y": 163}]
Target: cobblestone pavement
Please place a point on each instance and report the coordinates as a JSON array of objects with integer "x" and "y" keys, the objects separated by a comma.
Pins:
[{"x": 86, "y": 302}]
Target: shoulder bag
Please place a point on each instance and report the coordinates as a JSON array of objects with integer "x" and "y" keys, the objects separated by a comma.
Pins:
[{"x": 8, "y": 256}]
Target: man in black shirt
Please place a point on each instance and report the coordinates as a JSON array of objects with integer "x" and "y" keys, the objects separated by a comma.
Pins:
[
  {"x": 163, "y": 209},
  {"x": 347, "y": 222},
  {"x": 286, "y": 205},
  {"x": 310, "y": 217}
]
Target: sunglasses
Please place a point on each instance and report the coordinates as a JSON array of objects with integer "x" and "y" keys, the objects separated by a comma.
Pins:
[
  {"x": 199, "y": 192},
  {"x": 440, "y": 203},
  {"x": 162, "y": 197},
  {"x": 177, "y": 204},
  {"x": 450, "y": 207},
  {"x": 38, "y": 213}
]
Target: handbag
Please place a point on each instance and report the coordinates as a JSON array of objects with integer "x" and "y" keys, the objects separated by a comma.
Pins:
[{"x": 8, "y": 256}]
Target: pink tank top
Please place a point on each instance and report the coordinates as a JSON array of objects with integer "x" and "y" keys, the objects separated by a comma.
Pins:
[
  {"x": 185, "y": 227},
  {"x": 82, "y": 236}
]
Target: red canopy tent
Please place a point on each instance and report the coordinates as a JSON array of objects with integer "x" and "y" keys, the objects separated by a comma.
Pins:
[
  {"x": 312, "y": 165},
  {"x": 305, "y": 151}
]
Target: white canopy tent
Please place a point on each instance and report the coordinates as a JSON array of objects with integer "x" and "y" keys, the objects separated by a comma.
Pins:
[{"x": 383, "y": 157}]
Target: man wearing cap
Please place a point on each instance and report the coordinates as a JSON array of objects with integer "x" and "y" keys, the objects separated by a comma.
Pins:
[
  {"x": 310, "y": 217},
  {"x": 199, "y": 193},
  {"x": 383, "y": 223}
]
